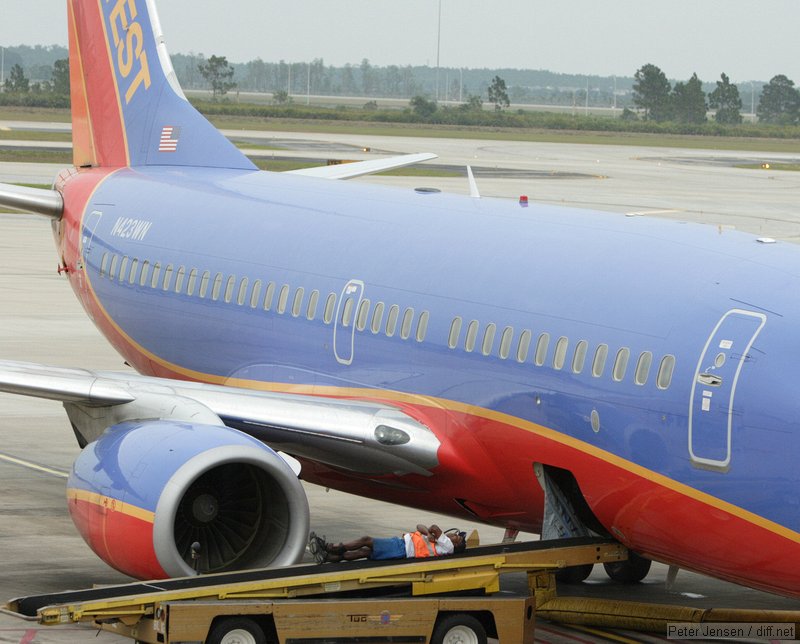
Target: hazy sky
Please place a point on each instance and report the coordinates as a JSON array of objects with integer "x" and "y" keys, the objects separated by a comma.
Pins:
[{"x": 746, "y": 39}]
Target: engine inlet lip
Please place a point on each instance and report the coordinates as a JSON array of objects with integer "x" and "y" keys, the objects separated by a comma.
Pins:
[{"x": 269, "y": 462}]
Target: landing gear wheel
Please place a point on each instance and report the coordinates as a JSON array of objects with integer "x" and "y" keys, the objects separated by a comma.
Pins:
[
  {"x": 236, "y": 630},
  {"x": 628, "y": 572},
  {"x": 459, "y": 629},
  {"x": 574, "y": 574}
]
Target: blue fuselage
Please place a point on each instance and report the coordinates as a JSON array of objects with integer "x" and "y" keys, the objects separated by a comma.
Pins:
[{"x": 291, "y": 281}]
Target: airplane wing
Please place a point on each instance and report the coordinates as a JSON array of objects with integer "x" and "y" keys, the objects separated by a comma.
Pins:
[
  {"x": 35, "y": 200},
  {"x": 357, "y": 436},
  {"x": 359, "y": 168}
]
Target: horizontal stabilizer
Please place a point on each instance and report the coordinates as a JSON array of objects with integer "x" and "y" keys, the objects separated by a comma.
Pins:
[
  {"x": 35, "y": 200},
  {"x": 360, "y": 168}
]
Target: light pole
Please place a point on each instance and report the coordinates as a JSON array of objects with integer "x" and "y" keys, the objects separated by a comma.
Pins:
[
  {"x": 615, "y": 94},
  {"x": 2, "y": 68},
  {"x": 438, "y": 48},
  {"x": 586, "y": 112}
]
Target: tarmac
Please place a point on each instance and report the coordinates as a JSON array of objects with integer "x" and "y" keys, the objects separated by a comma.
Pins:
[{"x": 41, "y": 321}]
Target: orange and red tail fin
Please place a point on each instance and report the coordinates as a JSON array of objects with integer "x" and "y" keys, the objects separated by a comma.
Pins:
[{"x": 127, "y": 106}]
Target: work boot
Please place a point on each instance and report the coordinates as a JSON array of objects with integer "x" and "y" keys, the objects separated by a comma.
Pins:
[{"x": 316, "y": 546}]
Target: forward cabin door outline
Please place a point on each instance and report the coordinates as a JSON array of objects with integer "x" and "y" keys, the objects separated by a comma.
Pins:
[
  {"x": 711, "y": 408},
  {"x": 89, "y": 226},
  {"x": 344, "y": 325}
]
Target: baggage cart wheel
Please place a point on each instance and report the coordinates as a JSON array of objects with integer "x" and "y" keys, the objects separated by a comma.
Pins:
[
  {"x": 574, "y": 574},
  {"x": 236, "y": 630},
  {"x": 459, "y": 628},
  {"x": 628, "y": 572}
]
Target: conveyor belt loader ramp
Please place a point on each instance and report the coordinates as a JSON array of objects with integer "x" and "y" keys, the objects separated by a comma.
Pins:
[{"x": 191, "y": 608}]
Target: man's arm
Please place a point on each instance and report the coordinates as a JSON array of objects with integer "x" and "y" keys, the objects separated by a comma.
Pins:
[
  {"x": 444, "y": 546},
  {"x": 434, "y": 531}
]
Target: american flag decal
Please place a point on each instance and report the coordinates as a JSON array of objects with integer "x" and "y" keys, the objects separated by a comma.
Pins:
[{"x": 169, "y": 139}]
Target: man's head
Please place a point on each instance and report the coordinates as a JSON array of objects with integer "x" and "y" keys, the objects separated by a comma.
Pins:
[{"x": 458, "y": 538}]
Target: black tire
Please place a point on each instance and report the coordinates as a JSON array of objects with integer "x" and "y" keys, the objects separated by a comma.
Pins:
[
  {"x": 458, "y": 627},
  {"x": 236, "y": 630},
  {"x": 574, "y": 574},
  {"x": 628, "y": 572}
]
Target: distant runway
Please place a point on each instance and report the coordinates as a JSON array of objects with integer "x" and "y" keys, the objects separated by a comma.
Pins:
[
  {"x": 676, "y": 183},
  {"x": 41, "y": 321}
]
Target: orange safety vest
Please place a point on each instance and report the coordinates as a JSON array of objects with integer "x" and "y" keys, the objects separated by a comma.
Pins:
[{"x": 422, "y": 547}]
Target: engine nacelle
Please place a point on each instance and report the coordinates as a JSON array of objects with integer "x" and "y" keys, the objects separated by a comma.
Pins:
[{"x": 145, "y": 491}]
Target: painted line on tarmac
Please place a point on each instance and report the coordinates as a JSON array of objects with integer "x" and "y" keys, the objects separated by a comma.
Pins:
[
  {"x": 647, "y": 213},
  {"x": 28, "y": 636},
  {"x": 33, "y": 466}
]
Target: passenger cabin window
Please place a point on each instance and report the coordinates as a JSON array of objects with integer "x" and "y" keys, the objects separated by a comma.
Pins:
[
  {"x": 330, "y": 307},
  {"x": 229, "y": 286},
  {"x": 112, "y": 271},
  {"x": 377, "y": 317},
  {"x": 156, "y": 275},
  {"x": 123, "y": 268},
  {"x": 242, "y": 295},
  {"x": 621, "y": 363},
  {"x": 347, "y": 312},
  {"x": 643, "y": 368},
  {"x": 134, "y": 269},
  {"x": 560, "y": 354},
  {"x": 524, "y": 346},
  {"x": 391, "y": 320},
  {"x": 204, "y": 280},
  {"x": 167, "y": 277},
  {"x": 422, "y": 326},
  {"x": 103, "y": 264},
  {"x": 665, "y": 371},
  {"x": 192, "y": 285},
  {"x": 408, "y": 321},
  {"x": 505, "y": 342},
  {"x": 269, "y": 295},
  {"x": 540, "y": 357},
  {"x": 488, "y": 338},
  {"x": 216, "y": 287},
  {"x": 455, "y": 332},
  {"x": 255, "y": 294},
  {"x": 362, "y": 317},
  {"x": 145, "y": 273},
  {"x": 579, "y": 358},
  {"x": 283, "y": 299},
  {"x": 472, "y": 336},
  {"x": 179, "y": 277},
  {"x": 313, "y": 302},
  {"x": 599, "y": 362},
  {"x": 297, "y": 303}
]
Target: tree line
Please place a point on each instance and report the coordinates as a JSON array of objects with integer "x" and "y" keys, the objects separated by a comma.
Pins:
[
  {"x": 651, "y": 92},
  {"x": 778, "y": 104}
]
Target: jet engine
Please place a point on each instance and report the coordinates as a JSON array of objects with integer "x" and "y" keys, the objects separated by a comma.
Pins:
[{"x": 162, "y": 498}]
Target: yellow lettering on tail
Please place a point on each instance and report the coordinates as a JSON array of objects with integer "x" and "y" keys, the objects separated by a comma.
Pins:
[{"x": 128, "y": 40}]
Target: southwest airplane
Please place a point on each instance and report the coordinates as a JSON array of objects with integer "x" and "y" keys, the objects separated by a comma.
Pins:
[{"x": 472, "y": 357}]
